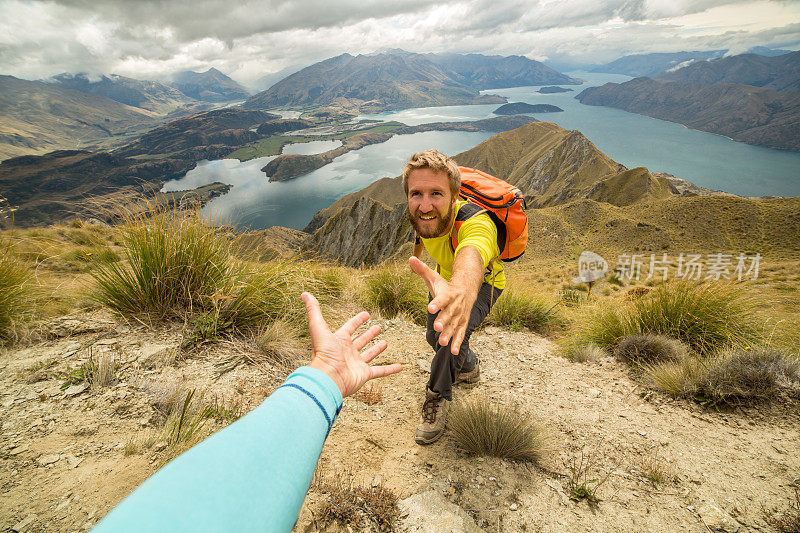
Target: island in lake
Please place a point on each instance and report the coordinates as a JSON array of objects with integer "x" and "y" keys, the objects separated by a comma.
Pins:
[
  {"x": 552, "y": 89},
  {"x": 518, "y": 108}
]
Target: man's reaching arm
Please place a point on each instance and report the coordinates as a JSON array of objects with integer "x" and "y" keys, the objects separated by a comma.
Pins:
[{"x": 453, "y": 299}]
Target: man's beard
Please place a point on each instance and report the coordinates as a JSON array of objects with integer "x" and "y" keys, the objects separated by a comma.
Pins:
[{"x": 426, "y": 231}]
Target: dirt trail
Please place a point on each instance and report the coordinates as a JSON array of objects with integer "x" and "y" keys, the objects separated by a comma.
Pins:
[{"x": 63, "y": 463}]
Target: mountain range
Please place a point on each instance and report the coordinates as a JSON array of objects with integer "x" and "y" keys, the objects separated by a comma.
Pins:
[
  {"x": 145, "y": 94},
  {"x": 735, "y": 96},
  {"x": 398, "y": 80},
  {"x": 209, "y": 86},
  {"x": 779, "y": 73},
  {"x": 658, "y": 64}
]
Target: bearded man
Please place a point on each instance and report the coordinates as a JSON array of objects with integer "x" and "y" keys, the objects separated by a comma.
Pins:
[{"x": 467, "y": 281}]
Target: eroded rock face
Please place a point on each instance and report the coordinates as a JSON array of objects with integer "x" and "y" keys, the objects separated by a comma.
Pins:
[{"x": 365, "y": 233}]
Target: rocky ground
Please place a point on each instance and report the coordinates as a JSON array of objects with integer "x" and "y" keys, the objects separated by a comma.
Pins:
[{"x": 68, "y": 455}]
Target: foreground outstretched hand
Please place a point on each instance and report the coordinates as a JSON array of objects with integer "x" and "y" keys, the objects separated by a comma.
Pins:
[
  {"x": 339, "y": 355},
  {"x": 450, "y": 301}
]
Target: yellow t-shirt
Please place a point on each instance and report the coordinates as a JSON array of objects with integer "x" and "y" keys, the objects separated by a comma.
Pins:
[{"x": 478, "y": 231}]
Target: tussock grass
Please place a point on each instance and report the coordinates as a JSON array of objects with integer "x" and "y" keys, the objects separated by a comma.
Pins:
[
  {"x": 394, "y": 290},
  {"x": 178, "y": 265},
  {"x": 516, "y": 309},
  {"x": 481, "y": 427},
  {"x": 656, "y": 469},
  {"x": 15, "y": 295},
  {"x": 705, "y": 316},
  {"x": 675, "y": 378}
]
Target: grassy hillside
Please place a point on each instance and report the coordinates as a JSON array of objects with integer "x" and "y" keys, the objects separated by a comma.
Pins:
[{"x": 38, "y": 117}]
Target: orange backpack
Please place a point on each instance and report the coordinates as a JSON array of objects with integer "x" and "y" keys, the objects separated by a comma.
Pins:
[{"x": 503, "y": 203}]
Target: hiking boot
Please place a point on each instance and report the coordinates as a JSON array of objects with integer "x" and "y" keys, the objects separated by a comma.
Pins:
[
  {"x": 469, "y": 377},
  {"x": 434, "y": 418}
]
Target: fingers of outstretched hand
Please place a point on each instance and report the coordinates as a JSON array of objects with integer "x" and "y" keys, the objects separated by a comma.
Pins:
[
  {"x": 350, "y": 327},
  {"x": 372, "y": 352},
  {"x": 384, "y": 370},
  {"x": 316, "y": 324},
  {"x": 426, "y": 273},
  {"x": 366, "y": 337}
]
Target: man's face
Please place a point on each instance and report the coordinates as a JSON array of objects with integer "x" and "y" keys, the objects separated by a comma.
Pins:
[{"x": 430, "y": 202}]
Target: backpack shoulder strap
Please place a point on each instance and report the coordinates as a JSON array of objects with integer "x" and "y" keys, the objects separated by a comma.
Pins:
[{"x": 465, "y": 212}]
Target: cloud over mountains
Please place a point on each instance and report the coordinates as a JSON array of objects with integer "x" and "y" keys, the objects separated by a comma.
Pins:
[{"x": 251, "y": 39}]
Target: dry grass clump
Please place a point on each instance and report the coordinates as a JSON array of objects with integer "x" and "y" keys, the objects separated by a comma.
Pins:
[
  {"x": 637, "y": 350},
  {"x": 788, "y": 521},
  {"x": 518, "y": 309},
  {"x": 370, "y": 394},
  {"x": 584, "y": 353},
  {"x": 15, "y": 294},
  {"x": 732, "y": 377},
  {"x": 704, "y": 316},
  {"x": 351, "y": 505},
  {"x": 744, "y": 376},
  {"x": 97, "y": 372},
  {"x": 656, "y": 469},
  {"x": 484, "y": 428},
  {"x": 394, "y": 290},
  {"x": 276, "y": 344}
]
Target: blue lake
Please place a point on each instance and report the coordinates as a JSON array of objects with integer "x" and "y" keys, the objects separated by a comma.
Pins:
[
  {"x": 634, "y": 140},
  {"x": 255, "y": 203}
]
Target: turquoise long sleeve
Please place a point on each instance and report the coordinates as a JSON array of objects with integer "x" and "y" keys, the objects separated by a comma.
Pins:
[{"x": 251, "y": 476}]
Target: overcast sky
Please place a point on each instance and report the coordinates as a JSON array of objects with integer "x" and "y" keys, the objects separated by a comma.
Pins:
[{"x": 252, "y": 39}]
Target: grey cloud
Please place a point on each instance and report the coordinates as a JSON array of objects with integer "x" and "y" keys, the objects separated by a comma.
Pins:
[{"x": 228, "y": 21}]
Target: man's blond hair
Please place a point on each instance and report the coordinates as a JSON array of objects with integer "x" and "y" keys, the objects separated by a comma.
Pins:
[{"x": 436, "y": 161}]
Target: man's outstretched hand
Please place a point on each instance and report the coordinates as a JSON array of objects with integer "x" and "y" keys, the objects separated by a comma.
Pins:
[
  {"x": 453, "y": 302},
  {"x": 339, "y": 355}
]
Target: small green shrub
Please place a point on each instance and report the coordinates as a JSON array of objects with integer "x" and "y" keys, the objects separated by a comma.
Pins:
[
  {"x": 393, "y": 290},
  {"x": 582, "y": 483},
  {"x": 483, "y": 428},
  {"x": 517, "y": 310},
  {"x": 637, "y": 350},
  {"x": 705, "y": 316}
]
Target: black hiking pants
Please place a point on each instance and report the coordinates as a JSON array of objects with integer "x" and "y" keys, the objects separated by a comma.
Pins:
[{"x": 446, "y": 366}]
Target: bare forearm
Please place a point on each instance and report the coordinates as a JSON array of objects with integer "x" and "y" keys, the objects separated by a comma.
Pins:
[{"x": 468, "y": 272}]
